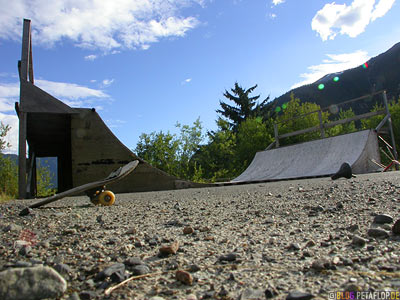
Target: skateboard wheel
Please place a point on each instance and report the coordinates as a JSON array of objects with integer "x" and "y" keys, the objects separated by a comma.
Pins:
[{"x": 107, "y": 198}]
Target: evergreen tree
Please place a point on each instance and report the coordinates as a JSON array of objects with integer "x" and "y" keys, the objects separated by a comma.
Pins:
[{"x": 245, "y": 106}]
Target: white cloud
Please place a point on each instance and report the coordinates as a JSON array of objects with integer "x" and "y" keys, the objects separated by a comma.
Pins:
[
  {"x": 70, "y": 91},
  {"x": 91, "y": 57},
  {"x": 272, "y": 16},
  {"x": 277, "y": 2},
  {"x": 187, "y": 80},
  {"x": 107, "y": 82},
  {"x": 334, "y": 63},
  {"x": 71, "y": 94},
  {"x": 350, "y": 20},
  {"x": 104, "y": 25}
]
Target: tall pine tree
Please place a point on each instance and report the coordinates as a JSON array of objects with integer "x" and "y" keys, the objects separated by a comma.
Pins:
[{"x": 245, "y": 106}]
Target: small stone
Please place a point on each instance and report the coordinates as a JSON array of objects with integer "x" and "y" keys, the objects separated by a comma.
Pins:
[
  {"x": 294, "y": 247},
  {"x": 70, "y": 231},
  {"x": 63, "y": 269},
  {"x": 383, "y": 219},
  {"x": 173, "y": 265},
  {"x": 223, "y": 293},
  {"x": 194, "y": 268},
  {"x": 133, "y": 261},
  {"x": 270, "y": 292},
  {"x": 396, "y": 227},
  {"x": 100, "y": 219},
  {"x": 299, "y": 295},
  {"x": 352, "y": 228},
  {"x": 184, "y": 277},
  {"x": 170, "y": 249},
  {"x": 351, "y": 287},
  {"x": 335, "y": 260},
  {"x": 378, "y": 233},
  {"x": 31, "y": 283},
  {"x": 87, "y": 295},
  {"x": 74, "y": 296},
  {"x": 107, "y": 272},
  {"x": 320, "y": 264},
  {"x": 191, "y": 297},
  {"x": 131, "y": 231},
  {"x": 12, "y": 228},
  {"x": 339, "y": 205},
  {"x": 229, "y": 257},
  {"x": 358, "y": 241},
  {"x": 157, "y": 298},
  {"x": 90, "y": 283},
  {"x": 310, "y": 243},
  {"x": 251, "y": 294},
  {"x": 347, "y": 261},
  {"x": 24, "y": 251},
  {"x": 118, "y": 276},
  {"x": 188, "y": 230},
  {"x": 140, "y": 270}
]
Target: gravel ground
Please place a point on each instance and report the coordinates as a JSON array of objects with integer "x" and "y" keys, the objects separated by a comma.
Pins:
[{"x": 283, "y": 240}]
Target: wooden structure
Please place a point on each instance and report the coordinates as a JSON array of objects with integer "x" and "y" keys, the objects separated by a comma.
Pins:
[
  {"x": 85, "y": 148},
  {"x": 322, "y": 126}
]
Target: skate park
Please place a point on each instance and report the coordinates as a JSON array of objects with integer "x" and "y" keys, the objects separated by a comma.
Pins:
[{"x": 87, "y": 150}]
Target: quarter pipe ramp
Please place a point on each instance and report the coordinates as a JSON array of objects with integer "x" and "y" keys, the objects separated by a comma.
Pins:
[{"x": 316, "y": 158}]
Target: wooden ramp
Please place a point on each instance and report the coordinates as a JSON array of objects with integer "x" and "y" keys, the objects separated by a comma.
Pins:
[{"x": 315, "y": 159}]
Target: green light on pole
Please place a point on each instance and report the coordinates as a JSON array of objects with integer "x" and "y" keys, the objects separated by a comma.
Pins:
[
  {"x": 321, "y": 86},
  {"x": 336, "y": 79}
]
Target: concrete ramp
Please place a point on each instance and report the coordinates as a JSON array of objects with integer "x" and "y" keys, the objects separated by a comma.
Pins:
[{"x": 316, "y": 158}]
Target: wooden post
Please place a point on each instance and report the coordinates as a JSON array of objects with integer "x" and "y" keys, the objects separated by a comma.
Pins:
[
  {"x": 389, "y": 120},
  {"x": 22, "y": 156},
  {"x": 276, "y": 135},
  {"x": 321, "y": 125},
  {"x": 24, "y": 71}
]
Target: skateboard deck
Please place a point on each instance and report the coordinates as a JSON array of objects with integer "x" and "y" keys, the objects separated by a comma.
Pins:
[{"x": 96, "y": 190}]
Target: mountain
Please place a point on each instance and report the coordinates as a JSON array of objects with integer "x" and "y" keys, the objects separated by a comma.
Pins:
[
  {"x": 379, "y": 73},
  {"x": 49, "y": 162}
]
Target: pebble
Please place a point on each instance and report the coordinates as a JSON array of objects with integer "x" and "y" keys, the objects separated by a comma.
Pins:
[
  {"x": 188, "y": 230},
  {"x": 87, "y": 295},
  {"x": 169, "y": 249},
  {"x": 31, "y": 283},
  {"x": 229, "y": 257},
  {"x": 252, "y": 294},
  {"x": 74, "y": 296},
  {"x": 140, "y": 270},
  {"x": 378, "y": 233},
  {"x": 107, "y": 272},
  {"x": 396, "y": 227},
  {"x": 321, "y": 264},
  {"x": 133, "y": 261},
  {"x": 270, "y": 292},
  {"x": 184, "y": 277},
  {"x": 63, "y": 269},
  {"x": 299, "y": 295},
  {"x": 12, "y": 228},
  {"x": 383, "y": 219},
  {"x": 359, "y": 241}
]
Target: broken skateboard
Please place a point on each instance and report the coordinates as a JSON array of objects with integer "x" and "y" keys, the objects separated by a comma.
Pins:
[{"x": 96, "y": 190}]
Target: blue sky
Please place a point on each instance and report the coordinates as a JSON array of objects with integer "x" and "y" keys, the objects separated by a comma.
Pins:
[{"x": 147, "y": 64}]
